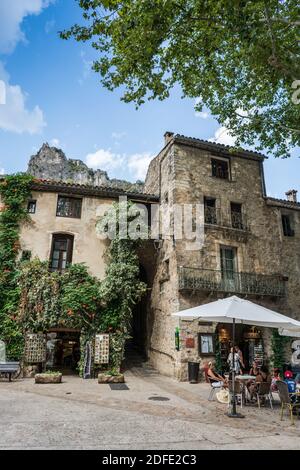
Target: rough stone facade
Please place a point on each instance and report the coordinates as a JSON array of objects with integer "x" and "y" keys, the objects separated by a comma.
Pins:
[{"x": 182, "y": 174}]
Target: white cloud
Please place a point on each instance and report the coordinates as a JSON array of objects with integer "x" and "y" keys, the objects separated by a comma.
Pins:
[
  {"x": 2, "y": 92},
  {"x": 2, "y": 171},
  {"x": 136, "y": 165},
  {"x": 222, "y": 136},
  {"x": 201, "y": 114},
  {"x": 105, "y": 160},
  {"x": 12, "y": 13},
  {"x": 55, "y": 142},
  {"x": 14, "y": 116}
]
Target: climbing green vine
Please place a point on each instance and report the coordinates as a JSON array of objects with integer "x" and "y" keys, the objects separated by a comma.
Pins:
[
  {"x": 278, "y": 345},
  {"x": 42, "y": 299},
  {"x": 14, "y": 192}
]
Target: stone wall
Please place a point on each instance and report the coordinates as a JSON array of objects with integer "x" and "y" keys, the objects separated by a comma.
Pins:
[
  {"x": 185, "y": 176},
  {"x": 88, "y": 247}
]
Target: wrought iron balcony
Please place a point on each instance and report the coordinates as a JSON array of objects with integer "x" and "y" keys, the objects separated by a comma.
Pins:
[
  {"x": 211, "y": 216},
  {"x": 237, "y": 220},
  {"x": 232, "y": 282},
  {"x": 234, "y": 220}
]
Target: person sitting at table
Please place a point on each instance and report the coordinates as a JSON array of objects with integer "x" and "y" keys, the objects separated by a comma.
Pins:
[
  {"x": 263, "y": 376},
  {"x": 254, "y": 371},
  {"x": 276, "y": 376},
  {"x": 213, "y": 375},
  {"x": 255, "y": 368}
]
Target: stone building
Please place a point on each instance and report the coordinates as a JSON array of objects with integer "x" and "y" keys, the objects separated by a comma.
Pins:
[
  {"x": 251, "y": 244},
  {"x": 251, "y": 248}
]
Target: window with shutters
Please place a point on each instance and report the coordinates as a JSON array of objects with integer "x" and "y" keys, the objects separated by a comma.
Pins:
[{"x": 61, "y": 252}]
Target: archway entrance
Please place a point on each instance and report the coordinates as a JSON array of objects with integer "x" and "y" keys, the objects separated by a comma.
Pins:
[
  {"x": 137, "y": 345},
  {"x": 63, "y": 350}
]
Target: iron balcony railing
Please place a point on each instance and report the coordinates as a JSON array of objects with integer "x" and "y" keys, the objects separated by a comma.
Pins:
[
  {"x": 236, "y": 220},
  {"x": 231, "y": 282},
  {"x": 211, "y": 216}
]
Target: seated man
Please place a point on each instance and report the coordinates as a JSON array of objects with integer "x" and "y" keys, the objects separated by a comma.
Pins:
[
  {"x": 214, "y": 377},
  {"x": 288, "y": 379}
]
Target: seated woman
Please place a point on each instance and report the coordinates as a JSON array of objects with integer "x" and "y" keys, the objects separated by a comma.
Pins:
[
  {"x": 213, "y": 375},
  {"x": 263, "y": 376},
  {"x": 254, "y": 369},
  {"x": 276, "y": 376}
]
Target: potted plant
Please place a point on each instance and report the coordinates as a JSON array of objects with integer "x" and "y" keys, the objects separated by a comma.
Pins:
[
  {"x": 111, "y": 376},
  {"x": 48, "y": 377}
]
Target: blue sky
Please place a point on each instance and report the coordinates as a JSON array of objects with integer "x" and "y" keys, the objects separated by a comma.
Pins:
[{"x": 52, "y": 95}]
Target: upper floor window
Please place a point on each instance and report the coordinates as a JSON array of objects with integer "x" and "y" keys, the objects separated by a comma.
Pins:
[
  {"x": 286, "y": 226},
  {"x": 61, "y": 252},
  {"x": 69, "y": 207},
  {"x": 236, "y": 215},
  {"x": 220, "y": 168},
  {"x": 31, "y": 207},
  {"x": 210, "y": 212}
]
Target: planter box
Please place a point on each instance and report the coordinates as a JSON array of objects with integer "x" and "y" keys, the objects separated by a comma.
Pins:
[
  {"x": 48, "y": 378},
  {"x": 113, "y": 379}
]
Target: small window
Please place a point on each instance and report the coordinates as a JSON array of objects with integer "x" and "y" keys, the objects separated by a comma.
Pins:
[
  {"x": 286, "y": 226},
  {"x": 206, "y": 344},
  {"x": 236, "y": 215},
  {"x": 220, "y": 168},
  {"x": 69, "y": 207},
  {"x": 62, "y": 252},
  {"x": 210, "y": 212},
  {"x": 26, "y": 255},
  {"x": 31, "y": 207}
]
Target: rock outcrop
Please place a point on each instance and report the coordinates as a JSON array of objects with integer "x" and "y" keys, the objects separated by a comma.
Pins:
[{"x": 50, "y": 163}]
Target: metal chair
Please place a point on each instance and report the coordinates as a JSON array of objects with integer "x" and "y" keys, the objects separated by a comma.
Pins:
[
  {"x": 214, "y": 387},
  {"x": 286, "y": 401},
  {"x": 264, "y": 390}
]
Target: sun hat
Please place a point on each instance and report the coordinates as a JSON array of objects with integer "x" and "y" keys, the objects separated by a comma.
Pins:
[
  {"x": 222, "y": 396},
  {"x": 288, "y": 374}
]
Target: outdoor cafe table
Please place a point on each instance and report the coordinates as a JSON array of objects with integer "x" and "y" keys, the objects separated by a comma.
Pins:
[{"x": 244, "y": 379}]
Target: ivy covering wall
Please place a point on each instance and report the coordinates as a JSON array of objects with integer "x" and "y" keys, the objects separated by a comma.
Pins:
[
  {"x": 34, "y": 299},
  {"x": 14, "y": 193}
]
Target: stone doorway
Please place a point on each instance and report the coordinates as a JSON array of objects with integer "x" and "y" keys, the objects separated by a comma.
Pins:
[
  {"x": 138, "y": 341},
  {"x": 63, "y": 350}
]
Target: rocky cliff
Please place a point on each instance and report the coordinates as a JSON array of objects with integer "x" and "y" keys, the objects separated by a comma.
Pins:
[{"x": 50, "y": 163}]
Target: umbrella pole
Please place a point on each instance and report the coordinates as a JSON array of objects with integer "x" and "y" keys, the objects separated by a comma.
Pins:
[{"x": 233, "y": 413}]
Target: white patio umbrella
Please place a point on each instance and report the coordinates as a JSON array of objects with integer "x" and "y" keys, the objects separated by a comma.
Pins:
[{"x": 236, "y": 310}]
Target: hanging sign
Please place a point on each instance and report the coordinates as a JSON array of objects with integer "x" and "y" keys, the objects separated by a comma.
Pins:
[
  {"x": 101, "y": 355},
  {"x": 35, "y": 348},
  {"x": 190, "y": 343},
  {"x": 177, "y": 339}
]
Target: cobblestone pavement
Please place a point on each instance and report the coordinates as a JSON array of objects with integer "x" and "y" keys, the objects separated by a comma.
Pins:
[{"x": 81, "y": 414}]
